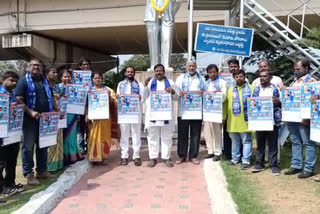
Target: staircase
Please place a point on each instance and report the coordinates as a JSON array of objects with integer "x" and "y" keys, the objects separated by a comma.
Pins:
[{"x": 280, "y": 35}]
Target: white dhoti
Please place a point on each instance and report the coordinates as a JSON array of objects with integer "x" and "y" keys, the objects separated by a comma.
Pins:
[
  {"x": 154, "y": 134},
  {"x": 213, "y": 137},
  {"x": 135, "y": 131}
]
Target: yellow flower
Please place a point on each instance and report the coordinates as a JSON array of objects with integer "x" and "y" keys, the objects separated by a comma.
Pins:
[{"x": 158, "y": 9}]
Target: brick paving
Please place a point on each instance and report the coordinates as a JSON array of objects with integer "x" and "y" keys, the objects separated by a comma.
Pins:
[{"x": 129, "y": 189}]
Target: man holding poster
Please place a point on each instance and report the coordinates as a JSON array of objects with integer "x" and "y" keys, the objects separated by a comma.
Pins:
[
  {"x": 300, "y": 131},
  {"x": 213, "y": 130},
  {"x": 189, "y": 81},
  {"x": 33, "y": 90},
  {"x": 237, "y": 125},
  {"x": 267, "y": 89},
  {"x": 130, "y": 86},
  {"x": 9, "y": 152},
  {"x": 159, "y": 128}
]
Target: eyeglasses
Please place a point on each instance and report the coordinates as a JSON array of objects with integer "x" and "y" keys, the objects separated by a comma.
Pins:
[{"x": 36, "y": 65}]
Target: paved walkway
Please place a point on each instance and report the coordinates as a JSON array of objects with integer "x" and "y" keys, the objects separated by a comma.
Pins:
[{"x": 129, "y": 189}]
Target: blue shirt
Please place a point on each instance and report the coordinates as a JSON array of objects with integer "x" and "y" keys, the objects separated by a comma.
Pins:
[{"x": 42, "y": 103}]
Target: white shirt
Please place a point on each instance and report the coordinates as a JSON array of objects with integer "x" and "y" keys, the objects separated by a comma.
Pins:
[
  {"x": 194, "y": 85},
  {"x": 277, "y": 81},
  {"x": 127, "y": 88},
  {"x": 223, "y": 88},
  {"x": 160, "y": 87}
]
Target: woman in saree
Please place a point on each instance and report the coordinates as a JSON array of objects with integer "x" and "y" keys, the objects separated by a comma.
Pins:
[
  {"x": 102, "y": 131},
  {"x": 71, "y": 153},
  {"x": 55, "y": 153}
]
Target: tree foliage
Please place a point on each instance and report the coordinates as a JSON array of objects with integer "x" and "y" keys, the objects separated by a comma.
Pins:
[
  {"x": 312, "y": 38},
  {"x": 142, "y": 62}
]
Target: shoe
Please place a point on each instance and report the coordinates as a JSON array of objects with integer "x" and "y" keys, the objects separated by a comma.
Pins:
[
  {"x": 195, "y": 161},
  {"x": 152, "y": 163},
  {"x": 31, "y": 180},
  {"x": 257, "y": 168},
  {"x": 168, "y": 163},
  {"x": 316, "y": 179},
  {"x": 232, "y": 163},
  {"x": 44, "y": 175},
  {"x": 137, "y": 162},
  {"x": 305, "y": 174},
  {"x": 292, "y": 171},
  {"x": 180, "y": 160},
  {"x": 216, "y": 158},
  {"x": 275, "y": 171},
  {"x": 9, "y": 191},
  {"x": 207, "y": 156},
  {"x": 124, "y": 161},
  {"x": 244, "y": 166}
]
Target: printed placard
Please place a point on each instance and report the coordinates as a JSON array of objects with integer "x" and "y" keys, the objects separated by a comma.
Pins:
[
  {"x": 160, "y": 106},
  {"x": 212, "y": 107},
  {"x": 128, "y": 109},
  {"x": 4, "y": 115},
  {"x": 80, "y": 77},
  {"x": 290, "y": 99},
  {"x": 260, "y": 114},
  {"x": 98, "y": 105},
  {"x": 48, "y": 129},
  {"x": 315, "y": 122},
  {"x": 191, "y": 105},
  {"x": 15, "y": 125},
  {"x": 63, "y": 102},
  {"x": 77, "y": 96},
  {"x": 308, "y": 90},
  {"x": 228, "y": 78}
]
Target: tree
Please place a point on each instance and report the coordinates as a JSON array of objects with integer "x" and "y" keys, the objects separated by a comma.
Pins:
[
  {"x": 312, "y": 38},
  {"x": 18, "y": 66},
  {"x": 142, "y": 62}
]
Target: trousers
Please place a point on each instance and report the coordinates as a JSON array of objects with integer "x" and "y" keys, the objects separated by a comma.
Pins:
[{"x": 135, "y": 131}]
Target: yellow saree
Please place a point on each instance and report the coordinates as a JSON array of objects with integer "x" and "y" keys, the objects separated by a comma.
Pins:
[{"x": 102, "y": 131}]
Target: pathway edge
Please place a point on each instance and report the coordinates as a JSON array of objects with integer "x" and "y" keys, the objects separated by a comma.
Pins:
[
  {"x": 220, "y": 198},
  {"x": 45, "y": 201}
]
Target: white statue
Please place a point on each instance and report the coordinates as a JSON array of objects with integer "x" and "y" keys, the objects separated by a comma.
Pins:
[{"x": 160, "y": 28}]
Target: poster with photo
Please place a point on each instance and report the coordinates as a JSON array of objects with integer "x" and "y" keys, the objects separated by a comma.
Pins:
[
  {"x": 81, "y": 78},
  {"x": 48, "y": 129},
  {"x": 260, "y": 114},
  {"x": 15, "y": 125},
  {"x": 63, "y": 102},
  {"x": 308, "y": 90},
  {"x": 228, "y": 78},
  {"x": 98, "y": 108},
  {"x": 315, "y": 122},
  {"x": 77, "y": 96},
  {"x": 160, "y": 106},
  {"x": 290, "y": 100},
  {"x": 212, "y": 107},
  {"x": 4, "y": 115},
  {"x": 128, "y": 109},
  {"x": 191, "y": 105}
]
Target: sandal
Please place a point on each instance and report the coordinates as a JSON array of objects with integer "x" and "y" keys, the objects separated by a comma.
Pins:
[{"x": 168, "y": 163}]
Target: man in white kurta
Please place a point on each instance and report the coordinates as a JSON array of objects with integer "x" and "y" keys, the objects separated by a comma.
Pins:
[
  {"x": 159, "y": 129},
  {"x": 213, "y": 131},
  {"x": 131, "y": 86}
]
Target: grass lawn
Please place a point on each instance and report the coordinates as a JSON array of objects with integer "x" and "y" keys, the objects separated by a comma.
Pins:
[
  {"x": 18, "y": 200},
  {"x": 246, "y": 194},
  {"x": 250, "y": 193}
]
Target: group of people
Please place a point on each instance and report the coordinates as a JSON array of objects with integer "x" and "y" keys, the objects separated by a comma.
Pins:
[{"x": 38, "y": 92}]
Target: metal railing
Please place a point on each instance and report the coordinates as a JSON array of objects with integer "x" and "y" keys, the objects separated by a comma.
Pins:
[{"x": 304, "y": 6}]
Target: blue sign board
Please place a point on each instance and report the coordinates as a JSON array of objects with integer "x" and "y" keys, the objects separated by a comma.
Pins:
[{"x": 224, "y": 39}]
